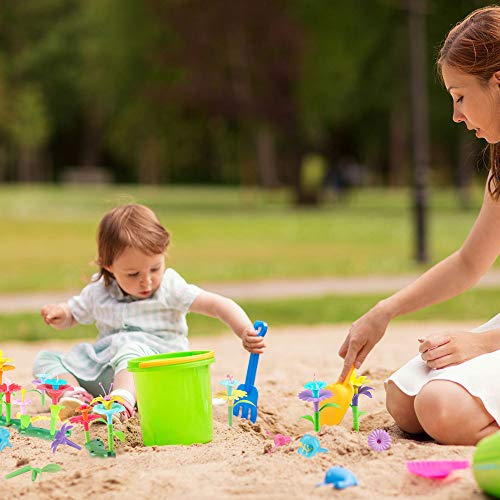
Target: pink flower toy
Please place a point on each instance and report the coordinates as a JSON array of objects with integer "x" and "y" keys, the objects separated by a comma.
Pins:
[
  {"x": 279, "y": 440},
  {"x": 55, "y": 388},
  {"x": 23, "y": 403},
  {"x": 7, "y": 389}
]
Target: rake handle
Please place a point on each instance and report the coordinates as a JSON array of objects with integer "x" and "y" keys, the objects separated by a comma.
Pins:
[{"x": 254, "y": 358}]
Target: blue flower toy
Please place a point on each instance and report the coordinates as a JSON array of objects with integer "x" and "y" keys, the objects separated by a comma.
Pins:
[
  {"x": 309, "y": 446},
  {"x": 4, "y": 438}
]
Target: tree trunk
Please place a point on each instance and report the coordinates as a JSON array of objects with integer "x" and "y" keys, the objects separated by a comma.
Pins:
[
  {"x": 90, "y": 155},
  {"x": 398, "y": 145},
  {"x": 266, "y": 157},
  {"x": 29, "y": 165},
  {"x": 149, "y": 162}
]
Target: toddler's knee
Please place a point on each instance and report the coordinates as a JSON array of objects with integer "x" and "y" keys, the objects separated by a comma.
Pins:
[
  {"x": 48, "y": 363},
  {"x": 130, "y": 351}
]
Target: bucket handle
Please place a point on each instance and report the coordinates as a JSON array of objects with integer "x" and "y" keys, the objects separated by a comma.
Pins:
[{"x": 176, "y": 361}]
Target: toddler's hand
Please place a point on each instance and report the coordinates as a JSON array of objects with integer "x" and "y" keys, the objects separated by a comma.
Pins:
[
  {"x": 252, "y": 342},
  {"x": 54, "y": 315}
]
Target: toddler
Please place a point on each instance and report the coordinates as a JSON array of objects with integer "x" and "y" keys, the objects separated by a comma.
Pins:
[{"x": 139, "y": 308}]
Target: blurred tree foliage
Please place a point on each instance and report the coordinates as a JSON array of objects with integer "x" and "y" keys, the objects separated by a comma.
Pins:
[{"x": 221, "y": 91}]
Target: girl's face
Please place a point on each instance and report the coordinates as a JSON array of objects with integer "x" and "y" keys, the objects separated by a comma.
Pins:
[
  {"x": 137, "y": 273},
  {"x": 475, "y": 103}
]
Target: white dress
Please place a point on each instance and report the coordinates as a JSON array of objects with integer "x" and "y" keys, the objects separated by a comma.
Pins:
[{"x": 479, "y": 375}]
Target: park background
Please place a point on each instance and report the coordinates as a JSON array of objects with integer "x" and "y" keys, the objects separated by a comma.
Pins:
[
  {"x": 273, "y": 139},
  {"x": 277, "y": 141}
]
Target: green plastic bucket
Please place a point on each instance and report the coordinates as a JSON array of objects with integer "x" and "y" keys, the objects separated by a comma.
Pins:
[{"x": 174, "y": 397}]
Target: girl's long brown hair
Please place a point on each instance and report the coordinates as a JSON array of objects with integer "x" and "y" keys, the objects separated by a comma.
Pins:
[{"x": 473, "y": 47}]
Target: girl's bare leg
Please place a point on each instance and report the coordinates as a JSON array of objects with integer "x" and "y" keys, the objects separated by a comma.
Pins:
[
  {"x": 402, "y": 409},
  {"x": 451, "y": 415}
]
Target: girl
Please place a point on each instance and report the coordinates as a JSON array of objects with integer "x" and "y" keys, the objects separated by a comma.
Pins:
[
  {"x": 449, "y": 390},
  {"x": 139, "y": 309}
]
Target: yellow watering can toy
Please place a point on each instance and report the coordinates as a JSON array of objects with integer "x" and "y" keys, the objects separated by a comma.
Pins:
[{"x": 342, "y": 396}]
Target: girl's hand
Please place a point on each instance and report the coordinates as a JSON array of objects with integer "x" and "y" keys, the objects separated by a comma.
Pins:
[
  {"x": 440, "y": 350},
  {"x": 362, "y": 337},
  {"x": 251, "y": 341},
  {"x": 54, "y": 315}
]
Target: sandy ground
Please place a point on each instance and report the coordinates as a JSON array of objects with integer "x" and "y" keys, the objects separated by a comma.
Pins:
[{"x": 238, "y": 462}]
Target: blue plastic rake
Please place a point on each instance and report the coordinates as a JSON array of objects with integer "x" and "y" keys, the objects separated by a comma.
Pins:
[{"x": 247, "y": 410}]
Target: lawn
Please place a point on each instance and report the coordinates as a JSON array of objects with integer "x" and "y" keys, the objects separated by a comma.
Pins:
[
  {"x": 222, "y": 234},
  {"x": 475, "y": 305}
]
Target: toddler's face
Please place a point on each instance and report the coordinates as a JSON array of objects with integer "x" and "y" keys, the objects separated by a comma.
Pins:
[{"x": 137, "y": 273}]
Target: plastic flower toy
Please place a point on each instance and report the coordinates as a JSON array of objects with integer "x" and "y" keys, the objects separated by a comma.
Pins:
[
  {"x": 60, "y": 438},
  {"x": 315, "y": 393},
  {"x": 4, "y": 438},
  {"x": 108, "y": 406},
  {"x": 107, "y": 400},
  {"x": 358, "y": 390},
  {"x": 230, "y": 395},
  {"x": 40, "y": 381},
  {"x": 7, "y": 388},
  {"x": 6, "y": 364},
  {"x": 279, "y": 440},
  {"x": 309, "y": 446},
  {"x": 85, "y": 419},
  {"x": 55, "y": 390},
  {"x": 34, "y": 471},
  {"x": 23, "y": 404},
  {"x": 379, "y": 440}
]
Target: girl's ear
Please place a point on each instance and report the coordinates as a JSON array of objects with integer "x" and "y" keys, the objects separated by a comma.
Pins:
[{"x": 496, "y": 76}]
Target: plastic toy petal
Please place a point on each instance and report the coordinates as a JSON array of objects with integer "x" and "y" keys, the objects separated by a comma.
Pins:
[{"x": 435, "y": 469}]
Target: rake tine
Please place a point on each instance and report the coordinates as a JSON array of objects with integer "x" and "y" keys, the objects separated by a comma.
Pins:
[{"x": 253, "y": 414}]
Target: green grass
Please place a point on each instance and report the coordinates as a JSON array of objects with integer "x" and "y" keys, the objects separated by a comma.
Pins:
[
  {"x": 222, "y": 234},
  {"x": 475, "y": 305}
]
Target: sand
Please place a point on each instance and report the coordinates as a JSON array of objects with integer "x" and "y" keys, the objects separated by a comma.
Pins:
[{"x": 239, "y": 462}]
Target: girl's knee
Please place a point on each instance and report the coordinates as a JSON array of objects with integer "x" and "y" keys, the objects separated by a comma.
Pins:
[
  {"x": 442, "y": 415},
  {"x": 400, "y": 406}
]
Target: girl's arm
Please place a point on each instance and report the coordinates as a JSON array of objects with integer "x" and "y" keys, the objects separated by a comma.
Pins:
[
  {"x": 230, "y": 313},
  {"x": 58, "y": 316},
  {"x": 450, "y": 277}
]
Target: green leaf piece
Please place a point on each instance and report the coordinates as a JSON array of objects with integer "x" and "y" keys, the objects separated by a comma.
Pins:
[
  {"x": 17, "y": 472},
  {"x": 334, "y": 405},
  {"x": 308, "y": 417},
  {"x": 51, "y": 468},
  {"x": 243, "y": 401},
  {"x": 119, "y": 434}
]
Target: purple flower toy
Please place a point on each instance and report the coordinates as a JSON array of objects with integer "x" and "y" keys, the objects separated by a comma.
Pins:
[
  {"x": 358, "y": 390},
  {"x": 61, "y": 438},
  {"x": 379, "y": 440},
  {"x": 315, "y": 393}
]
